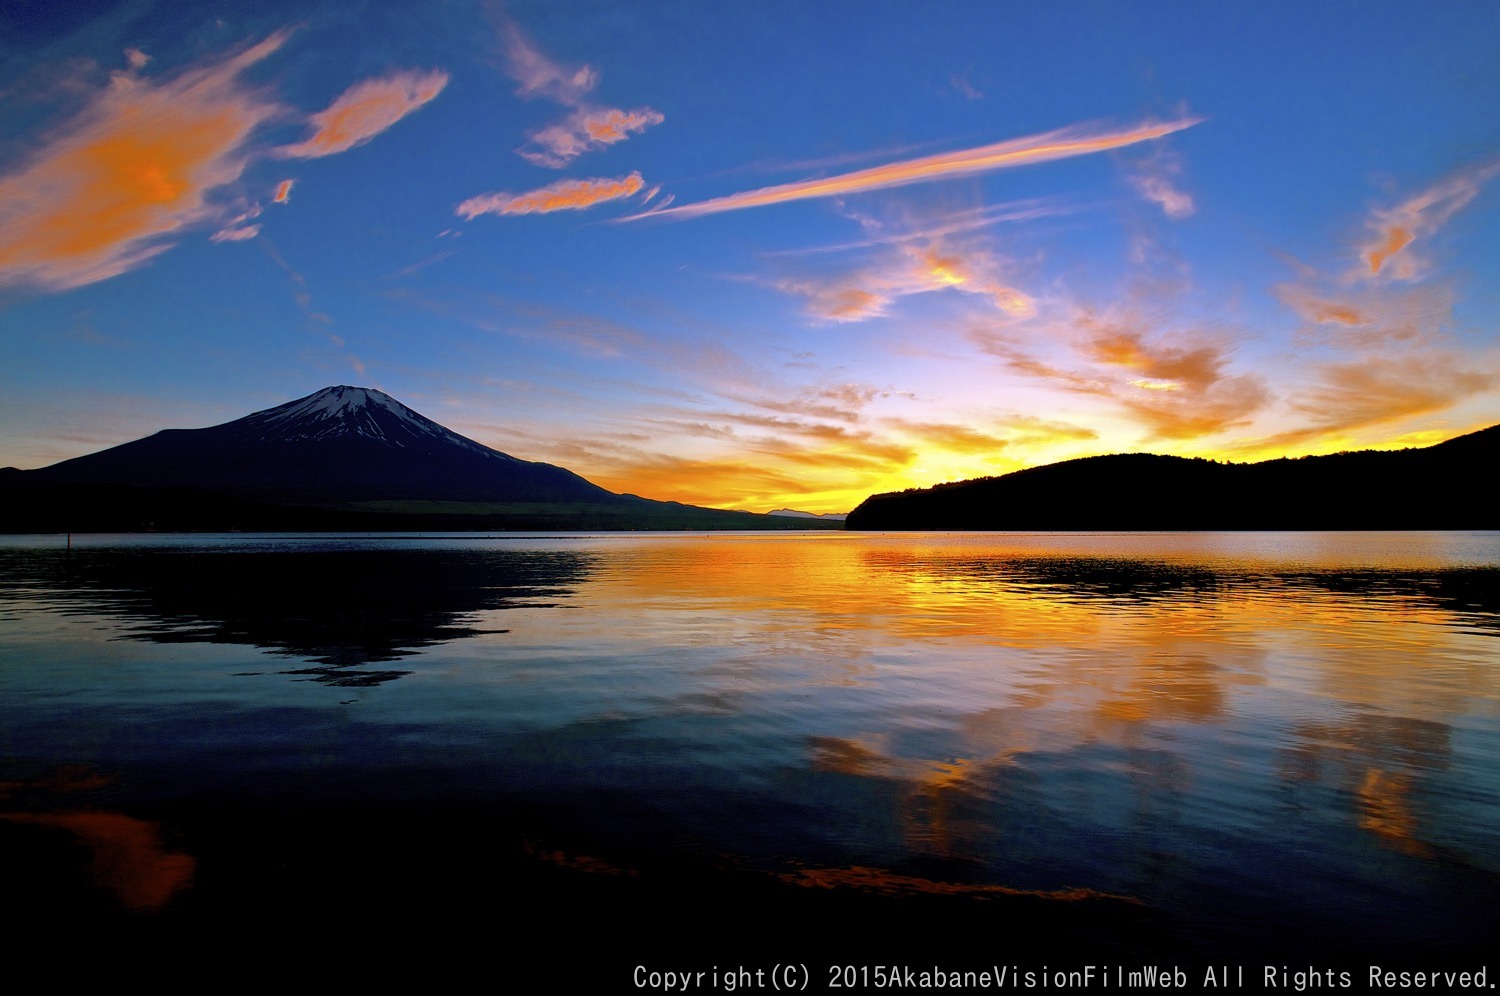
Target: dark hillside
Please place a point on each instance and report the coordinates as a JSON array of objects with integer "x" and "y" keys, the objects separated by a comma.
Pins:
[{"x": 1440, "y": 487}]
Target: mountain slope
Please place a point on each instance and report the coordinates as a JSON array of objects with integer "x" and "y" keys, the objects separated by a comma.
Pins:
[
  {"x": 1439, "y": 487},
  {"x": 341, "y": 443},
  {"x": 343, "y": 457}
]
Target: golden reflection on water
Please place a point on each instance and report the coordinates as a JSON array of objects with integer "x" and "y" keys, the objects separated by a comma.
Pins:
[
  {"x": 1007, "y": 647},
  {"x": 1115, "y": 704}
]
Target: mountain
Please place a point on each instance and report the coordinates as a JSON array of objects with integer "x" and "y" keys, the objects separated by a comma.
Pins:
[
  {"x": 831, "y": 516},
  {"x": 341, "y": 458},
  {"x": 1439, "y": 487}
]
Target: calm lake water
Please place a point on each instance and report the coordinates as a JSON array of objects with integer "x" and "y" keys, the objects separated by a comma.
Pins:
[{"x": 1199, "y": 746}]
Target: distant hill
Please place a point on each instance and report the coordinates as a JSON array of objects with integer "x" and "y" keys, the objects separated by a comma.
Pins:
[
  {"x": 831, "y": 516},
  {"x": 1447, "y": 486},
  {"x": 341, "y": 458}
]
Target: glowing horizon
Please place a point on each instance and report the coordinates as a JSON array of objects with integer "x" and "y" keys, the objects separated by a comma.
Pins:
[{"x": 849, "y": 287}]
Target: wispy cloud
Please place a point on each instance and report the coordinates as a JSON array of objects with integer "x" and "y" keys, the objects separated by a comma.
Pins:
[
  {"x": 1380, "y": 390},
  {"x": 365, "y": 110},
  {"x": 963, "y": 86},
  {"x": 1364, "y": 316},
  {"x": 236, "y": 234},
  {"x": 134, "y": 168},
  {"x": 837, "y": 402},
  {"x": 957, "y": 222},
  {"x": 1389, "y": 252},
  {"x": 914, "y": 269},
  {"x": 1388, "y": 325},
  {"x": 1178, "y": 392},
  {"x": 564, "y": 195},
  {"x": 1177, "y": 387},
  {"x": 1156, "y": 179},
  {"x": 283, "y": 191},
  {"x": 238, "y": 228},
  {"x": 586, "y": 129},
  {"x": 950, "y": 436},
  {"x": 1060, "y": 144},
  {"x": 539, "y": 76},
  {"x": 589, "y": 127}
]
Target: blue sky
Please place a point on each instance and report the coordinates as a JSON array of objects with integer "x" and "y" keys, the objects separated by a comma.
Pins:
[{"x": 761, "y": 255}]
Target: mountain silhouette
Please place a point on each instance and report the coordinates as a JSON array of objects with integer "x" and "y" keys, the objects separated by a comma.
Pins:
[
  {"x": 1439, "y": 487},
  {"x": 341, "y": 458}
]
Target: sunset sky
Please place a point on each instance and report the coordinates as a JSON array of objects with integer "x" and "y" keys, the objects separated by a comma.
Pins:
[{"x": 757, "y": 255}]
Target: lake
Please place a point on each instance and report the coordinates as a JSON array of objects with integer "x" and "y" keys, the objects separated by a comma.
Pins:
[{"x": 1048, "y": 751}]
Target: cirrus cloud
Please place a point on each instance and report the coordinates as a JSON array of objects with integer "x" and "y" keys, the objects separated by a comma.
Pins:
[
  {"x": 365, "y": 110},
  {"x": 1388, "y": 251},
  {"x": 1061, "y": 144},
  {"x": 564, "y": 195}
]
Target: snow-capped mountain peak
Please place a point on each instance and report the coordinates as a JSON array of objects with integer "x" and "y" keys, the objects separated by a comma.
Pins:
[{"x": 356, "y": 411}]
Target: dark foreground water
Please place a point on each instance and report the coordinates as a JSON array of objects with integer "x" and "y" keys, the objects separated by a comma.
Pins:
[{"x": 1057, "y": 753}]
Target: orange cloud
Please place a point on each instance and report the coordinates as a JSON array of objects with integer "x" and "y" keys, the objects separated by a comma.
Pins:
[
  {"x": 1176, "y": 392},
  {"x": 914, "y": 270},
  {"x": 367, "y": 109},
  {"x": 611, "y": 126},
  {"x": 1366, "y": 316},
  {"x": 937, "y": 270},
  {"x": 133, "y": 168},
  {"x": 1385, "y": 389},
  {"x": 848, "y": 300},
  {"x": 1189, "y": 415},
  {"x": 951, "y": 436},
  {"x": 1194, "y": 369},
  {"x": 841, "y": 402},
  {"x": 1394, "y": 230},
  {"x": 818, "y": 472},
  {"x": 283, "y": 191},
  {"x": 1393, "y": 240},
  {"x": 1001, "y": 155},
  {"x": 586, "y": 129},
  {"x": 565, "y": 195},
  {"x": 1320, "y": 310}
]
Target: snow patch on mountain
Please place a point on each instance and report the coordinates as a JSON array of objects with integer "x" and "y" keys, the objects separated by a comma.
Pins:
[{"x": 359, "y": 411}]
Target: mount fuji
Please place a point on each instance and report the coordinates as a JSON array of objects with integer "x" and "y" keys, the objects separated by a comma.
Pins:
[{"x": 341, "y": 458}]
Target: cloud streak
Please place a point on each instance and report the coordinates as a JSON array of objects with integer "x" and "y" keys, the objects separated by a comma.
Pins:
[
  {"x": 132, "y": 169},
  {"x": 914, "y": 269},
  {"x": 539, "y": 76},
  {"x": 1388, "y": 251},
  {"x": 365, "y": 110},
  {"x": 589, "y": 127},
  {"x": 1156, "y": 181},
  {"x": 1060, "y": 144},
  {"x": 1176, "y": 392},
  {"x": 1378, "y": 391},
  {"x": 585, "y": 130},
  {"x": 564, "y": 195}
]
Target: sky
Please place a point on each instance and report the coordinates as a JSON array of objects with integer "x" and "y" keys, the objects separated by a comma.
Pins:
[{"x": 758, "y": 255}]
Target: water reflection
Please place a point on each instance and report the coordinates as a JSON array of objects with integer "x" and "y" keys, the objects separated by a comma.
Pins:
[
  {"x": 128, "y": 858},
  {"x": 1185, "y": 723},
  {"x": 337, "y": 607}
]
